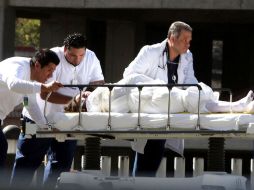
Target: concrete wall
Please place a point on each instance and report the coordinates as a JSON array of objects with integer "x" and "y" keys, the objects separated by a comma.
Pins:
[
  {"x": 144, "y": 4},
  {"x": 56, "y": 27},
  {"x": 120, "y": 43},
  {"x": 7, "y": 30}
]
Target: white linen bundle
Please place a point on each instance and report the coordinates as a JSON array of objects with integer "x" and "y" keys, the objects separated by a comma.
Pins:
[{"x": 153, "y": 99}]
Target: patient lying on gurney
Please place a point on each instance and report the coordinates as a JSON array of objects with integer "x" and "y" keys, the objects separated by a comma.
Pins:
[{"x": 155, "y": 99}]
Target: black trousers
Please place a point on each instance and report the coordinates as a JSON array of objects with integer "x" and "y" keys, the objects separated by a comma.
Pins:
[
  {"x": 147, "y": 164},
  {"x": 3, "y": 148},
  {"x": 30, "y": 154},
  {"x": 4, "y": 177}
]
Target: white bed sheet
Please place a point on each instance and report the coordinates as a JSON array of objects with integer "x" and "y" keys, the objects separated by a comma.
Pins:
[{"x": 128, "y": 121}]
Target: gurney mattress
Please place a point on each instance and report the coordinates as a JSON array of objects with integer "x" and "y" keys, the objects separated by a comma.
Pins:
[{"x": 128, "y": 121}]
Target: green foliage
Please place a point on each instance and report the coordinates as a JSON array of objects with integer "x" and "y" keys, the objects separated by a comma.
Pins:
[{"x": 27, "y": 32}]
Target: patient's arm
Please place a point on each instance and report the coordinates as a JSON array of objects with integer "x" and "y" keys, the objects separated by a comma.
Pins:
[
  {"x": 74, "y": 106},
  {"x": 78, "y": 101}
]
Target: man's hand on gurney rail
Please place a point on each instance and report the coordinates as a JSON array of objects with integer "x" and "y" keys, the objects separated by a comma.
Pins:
[{"x": 51, "y": 87}]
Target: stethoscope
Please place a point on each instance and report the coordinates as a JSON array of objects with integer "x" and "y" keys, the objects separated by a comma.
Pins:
[{"x": 165, "y": 51}]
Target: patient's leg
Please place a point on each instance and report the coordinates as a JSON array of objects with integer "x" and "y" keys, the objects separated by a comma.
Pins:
[
  {"x": 224, "y": 106},
  {"x": 250, "y": 108}
]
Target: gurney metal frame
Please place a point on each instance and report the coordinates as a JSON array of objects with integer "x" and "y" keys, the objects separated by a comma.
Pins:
[
  {"x": 143, "y": 134},
  {"x": 167, "y": 132},
  {"x": 140, "y": 87},
  {"x": 136, "y": 133}
]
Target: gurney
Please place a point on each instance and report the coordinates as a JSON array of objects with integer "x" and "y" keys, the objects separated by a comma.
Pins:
[
  {"x": 144, "y": 125},
  {"x": 130, "y": 126}
]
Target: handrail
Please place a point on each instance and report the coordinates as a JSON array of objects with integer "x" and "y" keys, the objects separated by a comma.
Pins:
[
  {"x": 140, "y": 87},
  {"x": 81, "y": 86}
]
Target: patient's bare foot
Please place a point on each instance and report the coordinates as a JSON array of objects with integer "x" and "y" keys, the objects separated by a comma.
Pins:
[
  {"x": 243, "y": 104},
  {"x": 247, "y": 99}
]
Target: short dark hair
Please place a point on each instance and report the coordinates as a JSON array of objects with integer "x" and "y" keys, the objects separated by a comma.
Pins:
[
  {"x": 75, "y": 40},
  {"x": 44, "y": 57}
]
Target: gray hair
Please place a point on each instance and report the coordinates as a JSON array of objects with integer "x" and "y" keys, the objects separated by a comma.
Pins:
[{"x": 176, "y": 28}]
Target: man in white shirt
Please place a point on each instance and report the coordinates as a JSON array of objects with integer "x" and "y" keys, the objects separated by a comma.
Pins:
[
  {"x": 78, "y": 65},
  {"x": 22, "y": 77},
  {"x": 172, "y": 62}
]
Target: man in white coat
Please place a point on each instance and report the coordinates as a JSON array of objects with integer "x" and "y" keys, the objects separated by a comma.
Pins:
[{"x": 172, "y": 62}]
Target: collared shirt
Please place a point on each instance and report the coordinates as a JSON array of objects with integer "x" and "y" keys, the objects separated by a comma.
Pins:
[{"x": 89, "y": 70}]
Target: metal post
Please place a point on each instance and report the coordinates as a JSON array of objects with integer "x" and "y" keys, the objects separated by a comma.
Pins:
[
  {"x": 106, "y": 165},
  {"x": 162, "y": 170},
  {"x": 252, "y": 174},
  {"x": 179, "y": 165},
  {"x": 123, "y": 166},
  {"x": 198, "y": 166},
  {"x": 236, "y": 166}
]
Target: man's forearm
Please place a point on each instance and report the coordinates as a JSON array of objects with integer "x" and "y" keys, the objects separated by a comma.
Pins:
[
  {"x": 57, "y": 98},
  {"x": 91, "y": 88}
]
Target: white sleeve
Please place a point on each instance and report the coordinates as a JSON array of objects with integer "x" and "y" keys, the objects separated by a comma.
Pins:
[
  {"x": 140, "y": 64},
  {"x": 190, "y": 76},
  {"x": 22, "y": 86},
  {"x": 17, "y": 79},
  {"x": 33, "y": 111}
]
